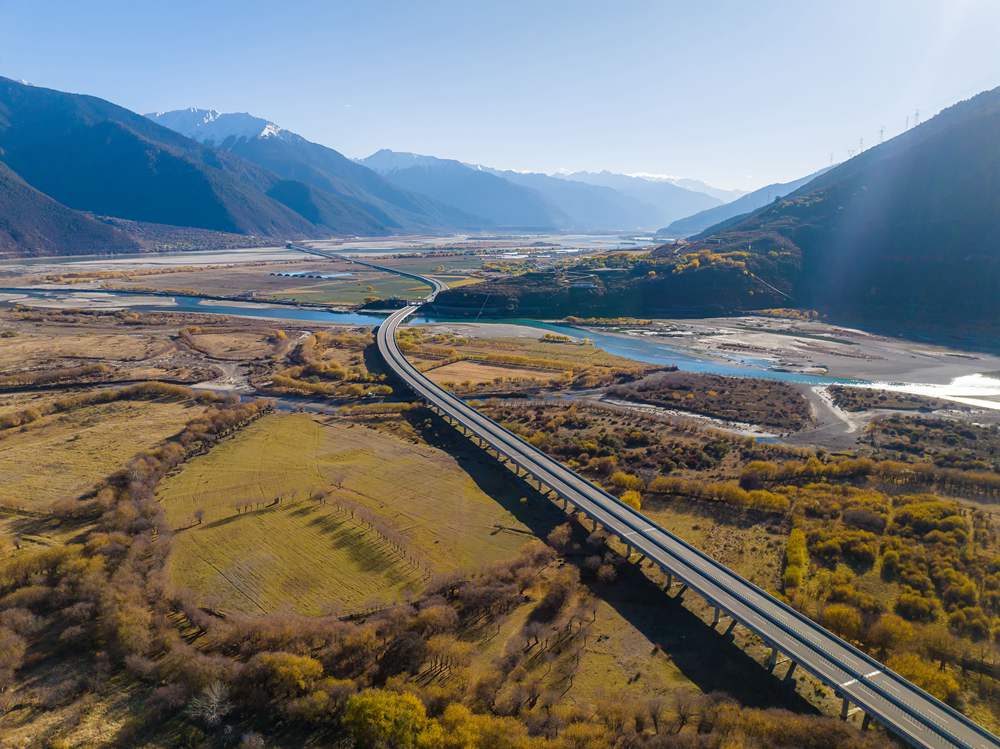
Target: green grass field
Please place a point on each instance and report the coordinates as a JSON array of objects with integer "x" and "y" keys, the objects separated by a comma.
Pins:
[
  {"x": 311, "y": 556},
  {"x": 355, "y": 290}
]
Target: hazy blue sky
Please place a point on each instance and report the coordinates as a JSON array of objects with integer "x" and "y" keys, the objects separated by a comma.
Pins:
[{"x": 737, "y": 93}]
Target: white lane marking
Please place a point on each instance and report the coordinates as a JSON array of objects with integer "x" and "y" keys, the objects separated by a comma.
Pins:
[{"x": 641, "y": 530}]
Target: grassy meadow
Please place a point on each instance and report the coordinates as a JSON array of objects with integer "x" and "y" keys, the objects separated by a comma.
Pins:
[
  {"x": 64, "y": 455},
  {"x": 312, "y": 555}
]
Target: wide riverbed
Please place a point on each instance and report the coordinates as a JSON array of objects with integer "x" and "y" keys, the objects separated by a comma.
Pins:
[{"x": 969, "y": 387}]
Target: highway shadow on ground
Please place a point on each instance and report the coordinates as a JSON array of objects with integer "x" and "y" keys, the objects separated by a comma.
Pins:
[{"x": 707, "y": 657}]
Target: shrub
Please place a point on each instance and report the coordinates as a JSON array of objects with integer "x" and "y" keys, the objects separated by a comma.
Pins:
[
  {"x": 377, "y": 718},
  {"x": 632, "y": 498},
  {"x": 843, "y": 619},
  {"x": 926, "y": 675}
]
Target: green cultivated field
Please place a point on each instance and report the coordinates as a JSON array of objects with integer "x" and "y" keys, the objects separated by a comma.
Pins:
[{"x": 355, "y": 290}]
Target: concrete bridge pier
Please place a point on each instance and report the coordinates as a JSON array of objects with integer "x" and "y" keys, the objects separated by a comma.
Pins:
[
  {"x": 846, "y": 711},
  {"x": 791, "y": 670},
  {"x": 715, "y": 617},
  {"x": 772, "y": 660}
]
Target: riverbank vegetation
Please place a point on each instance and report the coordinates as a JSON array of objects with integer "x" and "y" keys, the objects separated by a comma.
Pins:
[
  {"x": 745, "y": 400},
  {"x": 874, "y": 548},
  {"x": 330, "y": 363}
]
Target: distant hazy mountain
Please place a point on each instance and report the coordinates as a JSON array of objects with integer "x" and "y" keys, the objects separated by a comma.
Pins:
[
  {"x": 586, "y": 207},
  {"x": 665, "y": 200},
  {"x": 529, "y": 199},
  {"x": 699, "y": 222},
  {"x": 473, "y": 190},
  {"x": 92, "y": 155},
  {"x": 903, "y": 237},
  {"x": 293, "y": 157},
  {"x": 908, "y": 230},
  {"x": 726, "y": 196},
  {"x": 32, "y": 223}
]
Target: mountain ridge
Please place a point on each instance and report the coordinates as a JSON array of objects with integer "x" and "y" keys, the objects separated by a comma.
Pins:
[
  {"x": 710, "y": 217},
  {"x": 293, "y": 157},
  {"x": 61, "y": 144}
]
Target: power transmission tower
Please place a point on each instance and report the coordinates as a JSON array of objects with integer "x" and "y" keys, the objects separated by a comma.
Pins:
[
  {"x": 907, "y": 122},
  {"x": 916, "y": 118},
  {"x": 861, "y": 145},
  {"x": 881, "y": 135}
]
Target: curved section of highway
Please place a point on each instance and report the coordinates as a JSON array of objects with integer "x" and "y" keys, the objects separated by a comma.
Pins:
[
  {"x": 436, "y": 285},
  {"x": 909, "y": 712}
]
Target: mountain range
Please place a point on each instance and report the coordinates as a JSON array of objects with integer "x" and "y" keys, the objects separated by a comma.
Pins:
[
  {"x": 664, "y": 200},
  {"x": 904, "y": 236},
  {"x": 908, "y": 229},
  {"x": 81, "y": 174},
  {"x": 91, "y": 155},
  {"x": 582, "y": 201},
  {"x": 292, "y": 157},
  {"x": 702, "y": 220}
]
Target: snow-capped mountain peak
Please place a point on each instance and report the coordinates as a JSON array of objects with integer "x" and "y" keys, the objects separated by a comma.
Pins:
[
  {"x": 211, "y": 126},
  {"x": 270, "y": 129}
]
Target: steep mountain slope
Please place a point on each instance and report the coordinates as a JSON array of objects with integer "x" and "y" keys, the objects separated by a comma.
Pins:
[
  {"x": 666, "y": 200},
  {"x": 293, "y": 157},
  {"x": 92, "y": 155},
  {"x": 904, "y": 236},
  {"x": 699, "y": 222},
  {"x": 32, "y": 223},
  {"x": 908, "y": 230},
  {"x": 472, "y": 190}
]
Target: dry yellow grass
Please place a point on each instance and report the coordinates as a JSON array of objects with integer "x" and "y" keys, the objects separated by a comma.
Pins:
[
  {"x": 66, "y": 454},
  {"x": 476, "y": 373},
  {"x": 13, "y": 402},
  {"x": 234, "y": 344},
  {"x": 26, "y": 349},
  {"x": 313, "y": 557},
  {"x": 618, "y": 662},
  {"x": 749, "y": 548}
]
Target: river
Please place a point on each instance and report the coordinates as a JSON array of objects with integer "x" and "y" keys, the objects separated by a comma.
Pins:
[
  {"x": 635, "y": 348},
  {"x": 973, "y": 390}
]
